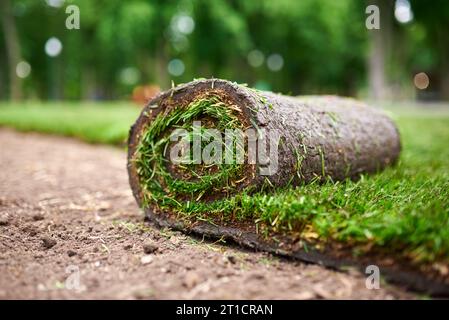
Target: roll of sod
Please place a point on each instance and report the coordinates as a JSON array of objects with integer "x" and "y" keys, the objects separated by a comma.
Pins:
[
  {"x": 282, "y": 142},
  {"x": 312, "y": 138}
]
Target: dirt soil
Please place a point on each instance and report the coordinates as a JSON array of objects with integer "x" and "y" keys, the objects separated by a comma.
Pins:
[{"x": 70, "y": 228}]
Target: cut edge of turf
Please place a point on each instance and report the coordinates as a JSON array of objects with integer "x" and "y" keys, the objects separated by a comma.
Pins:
[{"x": 161, "y": 185}]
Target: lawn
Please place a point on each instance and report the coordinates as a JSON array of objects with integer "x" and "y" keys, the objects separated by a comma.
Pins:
[
  {"x": 404, "y": 208},
  {"x": 92, "y": 122}
]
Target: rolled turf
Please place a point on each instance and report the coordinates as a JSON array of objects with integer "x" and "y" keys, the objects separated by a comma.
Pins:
[{"x": 321, "y": 139}]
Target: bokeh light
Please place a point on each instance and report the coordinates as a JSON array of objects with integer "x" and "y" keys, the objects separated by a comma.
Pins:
[
  {"x": 176, "y": 67},
  {"x": 55, "y": 3},
  {"x": 421, "y": 81},
  {"x": 275, "y": 62},
  {"x": 179, "y": 42},
  {"x": 19, "y": 9},
  {"x": 23, "y": 69},
  {"x": 183, "y": 23},
  {"x": 53, "y": 47},
  {"x": 403, "y": 11},
  {"x": 255, "y": 58},
  {"x": 129, "y": 76}
]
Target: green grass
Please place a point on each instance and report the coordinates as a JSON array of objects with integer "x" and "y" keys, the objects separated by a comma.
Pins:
[
  {"x": 92, "y": 122},
  {"x": 151, "y": 159},
  {"x": 404, "y": 209}
]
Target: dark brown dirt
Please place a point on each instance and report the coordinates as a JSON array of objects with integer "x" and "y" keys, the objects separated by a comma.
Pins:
[{"x": 66, "y": 210}]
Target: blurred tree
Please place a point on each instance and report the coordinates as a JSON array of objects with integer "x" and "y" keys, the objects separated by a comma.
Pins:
[
  {"x": 434, "y": 17},
  {"x": 380, "y": 47},
  {"x": 298, "y": 47},
  {"x": 220, "y": 39},
  {"x": 12, "y": 48},
  {"x": 321, "y": 42}
]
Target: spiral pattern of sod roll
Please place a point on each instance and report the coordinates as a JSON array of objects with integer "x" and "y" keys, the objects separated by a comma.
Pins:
[
  {"x": 320, "y": 138},
  {"x": 167, "y": 183}
]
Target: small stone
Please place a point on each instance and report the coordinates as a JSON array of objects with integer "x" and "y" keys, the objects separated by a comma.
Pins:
[
  {"x": 191, "y": 279},
  {"x": 231, "y": 259},
  {"x": 174, "y": 240},
  {"x": 149, "y": 247},
  {"x": 41, "y": 287},
  {"x": 4, "y": 219},
  {"x": 147, "y": 259},
  {"x": 307, "y": 295},
  {"x": 32, "y": 232},
  {"x": 48, "y": 242},
  {"x": 156, "y": 236},
  {"x": 38, "y": 216},
  {"x": 71, "y": 253},
  {"x": 127, "y": 246},
  {"x": 165, "y": 270},
  {"x": 256, "y": 276}
]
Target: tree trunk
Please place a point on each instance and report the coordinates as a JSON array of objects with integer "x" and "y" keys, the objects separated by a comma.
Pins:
[
  {"x": 3, "y": 92},
  {"x": 444, "y": 63},
  {"x": 12, "y": 48},
  {"x": 88, "y": 83},
  {"x": 162, "y": 76},
  {"x": 445, "y": 83},
  {"x": 379, "y": 49}
]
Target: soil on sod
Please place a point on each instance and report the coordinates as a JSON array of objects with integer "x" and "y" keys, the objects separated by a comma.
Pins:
[{"x": 352, "y": 140}]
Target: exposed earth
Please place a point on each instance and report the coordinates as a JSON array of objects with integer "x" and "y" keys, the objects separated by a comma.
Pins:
[{"x": 70, "y": 228}]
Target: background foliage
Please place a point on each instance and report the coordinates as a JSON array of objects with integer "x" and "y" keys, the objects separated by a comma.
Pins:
[{"x": 323, "y": 45}]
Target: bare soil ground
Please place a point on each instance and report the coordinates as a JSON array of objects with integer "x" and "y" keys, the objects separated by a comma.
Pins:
[{"x": 70, "y": 228}]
